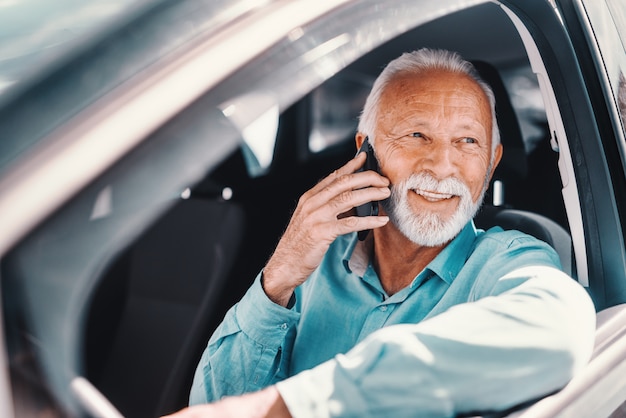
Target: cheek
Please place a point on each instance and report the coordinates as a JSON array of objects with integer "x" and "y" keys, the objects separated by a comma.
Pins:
[
  {"x": 394, "y": 162},
  {"x": 474, "y": 176}
]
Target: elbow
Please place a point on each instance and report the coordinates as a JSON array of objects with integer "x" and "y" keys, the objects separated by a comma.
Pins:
[{"x": 561, "y": 319}]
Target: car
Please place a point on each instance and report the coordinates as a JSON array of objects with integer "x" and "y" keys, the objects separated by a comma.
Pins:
[{"x": 148, "y": 169}]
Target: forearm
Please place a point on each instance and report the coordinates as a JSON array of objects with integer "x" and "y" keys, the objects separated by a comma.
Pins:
[
  {"x": 491, "y": 354},
  {"x": 246, "y": 352}
]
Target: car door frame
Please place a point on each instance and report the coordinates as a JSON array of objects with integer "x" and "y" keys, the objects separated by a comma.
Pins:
[{"x": 577, "y": 86}]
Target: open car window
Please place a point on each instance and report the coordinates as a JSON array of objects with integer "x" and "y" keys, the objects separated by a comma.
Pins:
[{"x": 214, "y": 152}]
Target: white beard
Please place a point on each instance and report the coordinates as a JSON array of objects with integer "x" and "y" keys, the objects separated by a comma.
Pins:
[{"x": 427, "y": 228}]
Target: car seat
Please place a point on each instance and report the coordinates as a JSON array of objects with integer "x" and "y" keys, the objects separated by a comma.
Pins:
[
  {"x": 533, "y": 224},
  {"x": 511, "y": 172},
  {"x": 148, "y": 322}
]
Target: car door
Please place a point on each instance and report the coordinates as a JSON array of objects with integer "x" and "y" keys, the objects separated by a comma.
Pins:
[
  {"x": 91, "y": 137},
  {"x": 577, "y": 49},
  {"x": 142, "y": 166}
]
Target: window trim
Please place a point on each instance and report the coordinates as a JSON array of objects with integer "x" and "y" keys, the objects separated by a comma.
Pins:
[{"x": 558, "y": 139}]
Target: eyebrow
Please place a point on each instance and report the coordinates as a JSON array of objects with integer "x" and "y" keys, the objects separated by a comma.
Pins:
[{"x": 468, "y": 127}]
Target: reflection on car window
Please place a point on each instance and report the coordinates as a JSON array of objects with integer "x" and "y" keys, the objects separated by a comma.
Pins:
[
  {"x": 609, "y": 28},
  {"x": 618, "y": 13},
  {"x": 621, "y": 95},
  {"x": 526, "y": 99},
  {"x": 255, "y": 115},
  {"x": 335, "y": 107},
  {"x": 34, "y": 32}
]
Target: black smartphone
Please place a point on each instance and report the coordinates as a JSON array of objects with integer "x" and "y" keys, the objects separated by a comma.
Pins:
[{"x": 369, "y": 208}]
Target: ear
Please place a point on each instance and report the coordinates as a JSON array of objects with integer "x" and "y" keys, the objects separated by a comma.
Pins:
[
  {"x": 497, "y": 156},
  {"x": 359, "y": 138}
]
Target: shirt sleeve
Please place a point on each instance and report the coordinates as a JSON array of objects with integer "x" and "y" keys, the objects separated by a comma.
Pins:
[
  {"x": 490, "y": 354},
  {"x": 248, "y": 351}
]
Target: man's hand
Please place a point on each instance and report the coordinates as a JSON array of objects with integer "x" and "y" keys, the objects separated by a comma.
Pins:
[
  {"x": 261, "y": 404},
  {"x": 319, "y": 218}
]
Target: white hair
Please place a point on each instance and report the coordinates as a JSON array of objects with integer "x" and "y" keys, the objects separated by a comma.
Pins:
[{"x": 419, "y": 62}]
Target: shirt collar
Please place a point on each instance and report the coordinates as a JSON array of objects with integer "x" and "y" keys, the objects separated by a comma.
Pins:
[
  {"x": 446, "y": 265},
  {"x": 451, "y": 260}
]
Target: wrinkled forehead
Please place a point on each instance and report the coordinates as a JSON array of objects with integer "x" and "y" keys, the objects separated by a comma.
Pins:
[
  {"x": 436, "y": 94},
  {"x": 459, "y": 88}
]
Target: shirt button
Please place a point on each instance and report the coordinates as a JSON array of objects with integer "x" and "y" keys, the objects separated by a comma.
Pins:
[
  {"x": 383, "y": 308},
  {"x": 283, "y": 326}
]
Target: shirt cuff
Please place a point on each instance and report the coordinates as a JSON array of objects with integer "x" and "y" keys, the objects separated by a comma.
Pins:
[{"x": 261, "y": 319}]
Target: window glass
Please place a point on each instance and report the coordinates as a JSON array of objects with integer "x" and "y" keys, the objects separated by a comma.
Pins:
[
  {"x": 526, "y": 99},
  {"x": 84, "y": 51},
  {"x": 33, "y": 32},
  {"x": 608, "y": 20},
  {"x": 618, "y": 13},
  {"x": 335, "y": 109}
]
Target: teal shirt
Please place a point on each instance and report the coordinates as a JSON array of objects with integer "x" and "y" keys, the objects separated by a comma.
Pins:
[{"x": 489, "y": 323}]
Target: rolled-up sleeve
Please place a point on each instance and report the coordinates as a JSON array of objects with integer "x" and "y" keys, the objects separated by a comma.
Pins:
[
  {"x": 247, "y": 351},
  {"x": 517, "y": 344}
]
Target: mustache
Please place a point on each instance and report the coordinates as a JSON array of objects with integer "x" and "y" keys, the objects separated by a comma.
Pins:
[{"x": 426, "y": 182}]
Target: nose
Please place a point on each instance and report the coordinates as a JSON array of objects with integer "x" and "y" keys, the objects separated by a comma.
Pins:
[{"x": 440, "y": 160}]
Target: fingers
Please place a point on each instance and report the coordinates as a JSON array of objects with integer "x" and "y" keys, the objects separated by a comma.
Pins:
[
  {"x": 316, "y": 223},
  {"x": 349, "y": 224},
  {"x": 349, "y": 169},
  {"x": 344, "y": 189},
  {"x": 341, "y": 196},
  {"x": 319, "y": 211},
  {"x": 349, "y": 199}
]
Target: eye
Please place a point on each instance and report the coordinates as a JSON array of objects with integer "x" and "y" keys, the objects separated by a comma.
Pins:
[
  {"x": 416, "y": 135},
  {"x": 468, "y": 140}
]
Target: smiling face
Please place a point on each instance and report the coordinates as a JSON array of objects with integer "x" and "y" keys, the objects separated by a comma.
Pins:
[{"x": 433, "y": 142}]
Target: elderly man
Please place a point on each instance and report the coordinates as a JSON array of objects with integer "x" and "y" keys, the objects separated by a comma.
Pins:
[{"x": 427, "y": 316}]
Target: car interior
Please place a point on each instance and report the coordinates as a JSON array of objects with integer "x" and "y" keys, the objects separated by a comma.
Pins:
[
  {"x": 228, "y": 241},
  {"x": 155, "y": 300}
]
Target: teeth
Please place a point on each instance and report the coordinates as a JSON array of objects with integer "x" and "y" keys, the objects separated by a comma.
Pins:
[{"x": 431, "y": 196}]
